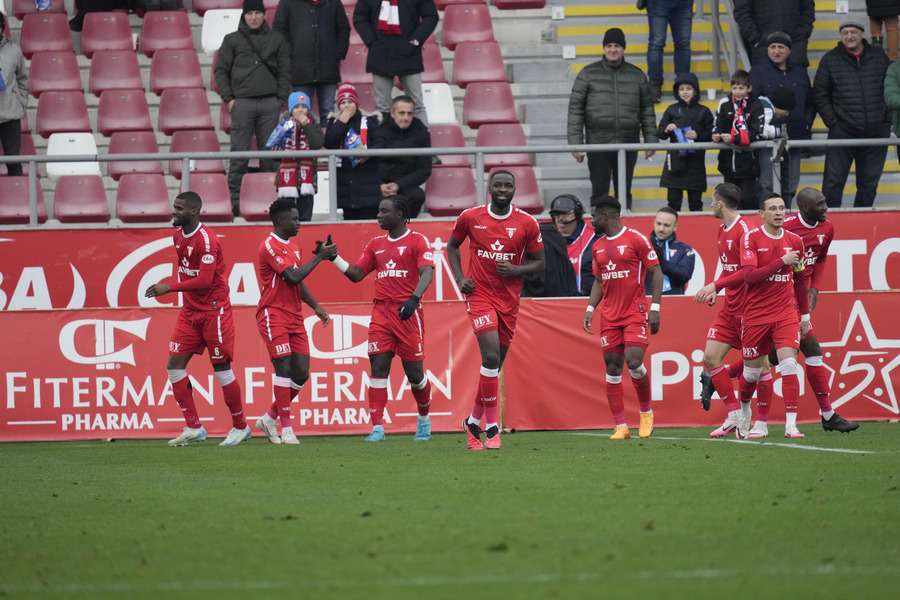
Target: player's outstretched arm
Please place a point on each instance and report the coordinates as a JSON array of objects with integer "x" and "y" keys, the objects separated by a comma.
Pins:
[
  {"x": 656, "y": 283},
  {"x": 593, "y": 303},
  {"x": 323, "y": 251},
  {"x": 310, "y": 301},
  {"x": 466, "y": 285}
]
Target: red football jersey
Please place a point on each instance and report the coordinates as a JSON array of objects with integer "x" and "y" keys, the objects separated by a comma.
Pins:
[
  {"x": 492, "y": 239},
  {"x": 729, "y": 246},
  {"x": 200, "y": 260},
  {"x": 816, "y": 240},
  {"x": 276, "y": 255},
  {"x": 772, "y": 299},
  {"x": 396, "y": 263},
  {"x": 621, "y": 263}
]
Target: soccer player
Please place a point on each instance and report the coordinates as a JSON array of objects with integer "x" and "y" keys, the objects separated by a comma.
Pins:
[
  {"x": 504, "y": 244},
  {"x": 811, "y": 224},
  {"x": 622, "y": 259},
  {"x": 404, "y": 267},
  {"x": 205, "y": 320},
  {"x": 279, "y": 315}
]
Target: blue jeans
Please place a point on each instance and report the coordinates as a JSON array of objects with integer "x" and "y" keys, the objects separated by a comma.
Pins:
[
  {"x": 662, "y": 14},
  {"x": 325, "y": 92},
  {"x": 869, "y": 165}
]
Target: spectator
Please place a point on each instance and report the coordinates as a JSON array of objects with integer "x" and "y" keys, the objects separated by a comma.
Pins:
[
  {"x": 253, "y": 75},
  {"x": 358, "y": 185},
  {"x": 676, "y": 259},
  {"x": 14, "y": 90},
  {"x": 318, "y": 35},
  {"x": 404, "y": 175},
  {"x": 758, "y": 18},
  {"x": 685, "y": 121},
  {"x": 884, "y": 12},
  {"x": 778, "y": 70},
  {"x": 739, "y": 121},
  {"x": 849, "y": 94},
  {"x": 610, "y": 103},
  {"x": 677, "y": 15},
  {"x": 567, "y": 213},
  {"x": 394, "y": 38},
  {"x": 892, "y": 97},
  {"x": 83, "y": 7}
]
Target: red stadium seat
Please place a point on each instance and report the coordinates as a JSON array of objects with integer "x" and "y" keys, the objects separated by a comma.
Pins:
[
  {"x": 202, "y": 140},
  {"x": 106, "y": 31},
  {"x": 502, "y": 134},
  {"x": 258, "y": 192},
  {"x": 62, "y": 111},
  {"x": 213, "y": 190},
  {"x": 449, "y": 136},
  {"x": 14, "y": 206},
  {"x": 270, "y": 4},
  {"x": 528, "y": 196},
  {"x": 518, "y": 4},
  {"x": 133, "y": 142},
  {"x": 25, "y": 124},
  {"x": 270, "y": 16},
  {"x": 184, "y": 108},
  {"x": 115, "y": 70},
  {"x": 201, "y": 6},
  {"x": 123, "y": 110},
  {"x": 175, "y": 69},
  {"x": 165, "y": 30},
  {"x": 349, "y": 5},
  {"x": 449, "y": 191},
  {"x": 54, "y": 72},
  {"x": 490, "y": 102},
  {"x": 24, "y": 7},
  {"x": 143, "y": 198},
  {"x": 353, "y": 67},
  {"x": 355, "y": 38},
  {"x": 466, "y": 23},
  {"x": 434, "y": 64},
  {"x": 477, "y": 61},
  {"x": 43, "y": 32},
  {"x": 366, "y": 96},
  {"x": 27, "y": 149},
  {"x": 80, "y": 199},
  {"x": 443, "y": 4}
]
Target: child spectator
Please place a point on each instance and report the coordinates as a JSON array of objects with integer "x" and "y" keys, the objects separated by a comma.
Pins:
[
  {"x": 685, "y": 121},
  {"x": 739, "y": 121}
]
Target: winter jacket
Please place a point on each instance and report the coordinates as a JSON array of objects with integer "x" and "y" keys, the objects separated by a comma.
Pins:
[
  {"x": 686, "y": 172},
  {"x": 405, "y": 171},
  {"x": 580, "y": 247},
  {"x": 758, "y": 18},
  {"x": 241, "y": 74},
  {"x": 558, "y": 278},
  {"x": 391, "y": 55},
  {"x": 850, "y": 92},
  {"x": 359, "y": 186},
  {"x": 318, "y": 37},
  {"x": 737, "y": 162},
  {"x": 766, "y": 76},
  {"x": 892, "y": 94},
  {"x": 676, "y": 259},
  {"x": 610, "y": 104},
  {"x": 15, "y": 76},
  {"x": 882, "y": 8}
]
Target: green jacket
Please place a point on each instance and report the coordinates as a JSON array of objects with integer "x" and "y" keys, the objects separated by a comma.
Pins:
[
  {"x": 610, "y": 105},
  {"x": 241, "y": 74},
  {"x": 892, "y": 95}
]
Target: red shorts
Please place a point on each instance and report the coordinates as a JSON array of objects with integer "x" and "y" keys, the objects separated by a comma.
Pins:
[
  {"x": 757, "y": 340},
  {"x": 283, "y": 334},
  {"x": 486, "y": 318},
  {"x": 725, "y": 328},
  {"x": 615, "y": 339},
  {"x": 387, "y": 333},
  {"x": 197, "y": 330}
]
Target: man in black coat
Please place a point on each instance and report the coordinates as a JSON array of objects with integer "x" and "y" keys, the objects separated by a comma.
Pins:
[
  {"x": 394, "y": 39},
  {"x": 849, "y": 94},
  {"x": 404, "y": 174},
  {"x": 758, "y": 18}
]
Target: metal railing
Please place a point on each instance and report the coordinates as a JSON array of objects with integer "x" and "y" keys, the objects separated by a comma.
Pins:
[{"x": 728, "y": 45}]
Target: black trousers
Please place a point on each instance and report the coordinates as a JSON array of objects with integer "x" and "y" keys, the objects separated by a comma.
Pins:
[{"x": 11, "y": 140}]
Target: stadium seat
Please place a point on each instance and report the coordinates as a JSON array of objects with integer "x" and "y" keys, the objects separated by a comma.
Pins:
[
  {"x": 133, "y": 142},
  {"x": 43, "y": 32},
  {"x": 55, "y": 71},
  {"x": 528, "y": 196},
  {"x": 212, "y": 73},
  {"x": 449, "y": 191},
  {"x": 434, "y": 64},
  {"x": 23, "y": 7},
  {"x": 165, "y": 30},
  {"x": 477, "y": 61},
  {"x": 443, "y": 4},
  {"x": 439, "y": 104},
  {"x": 350, "y": 5},
  {"x": 123, "y": 110},
  {"x": 184, "y": 108},
  {"x": 270, "y": 18},
  {"x": 489, "y": 102},
  {"x": 14, "y": 206},
  {"x": 143, "y": 198},
  {"x": 27, "y": 149},
  {"x": 502, "y": 134},
  {"x": 202, "y": 7},
  {"x": 62, "y": 111},
  {"x": 213, "y": 189},
  {"x": 80, "y": 199},
  {"x": 322, "y": 199},
  {"x": 175, "y": 69},
  {"x": 366, "y": 96},
  {"x": 353, "y": 67},
  {"x": 267, "y": 4},
  {"x": 202, "y": 140},
  {"x": 466, "y": 23},
  {"x": 72, "y": 143},
  {"x": 115, "y": 70},
  {"x": 258, "y": 192},
  {"x": 518, "y": 4},
  {"x": 216, "y": 25},
  {"x": 25, "y": 125},
  {"x": 106, "y": 31},
  {"x": 355, "y": 38},
  {"x": 449, "y": 136}
]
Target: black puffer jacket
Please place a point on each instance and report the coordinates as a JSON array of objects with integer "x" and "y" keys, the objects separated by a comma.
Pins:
[
  {"x": 391, "y": 55},
  {"x": 758, "y": 18},
  {"x": 241, "y": 74},
  {"x": 686, "y": 172},
  {"x": 359, "y": 186},
  {"x": 849, "y": 91},
  {"x": 318, "y": 37},
  {"x": 882, "y": 8},
  {"x": 405, "y": 171}
]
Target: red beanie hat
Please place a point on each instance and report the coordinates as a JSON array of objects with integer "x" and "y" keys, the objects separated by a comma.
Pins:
[{"x": 346, "y": 90}]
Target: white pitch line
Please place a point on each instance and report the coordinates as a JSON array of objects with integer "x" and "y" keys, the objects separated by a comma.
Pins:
[{"x": 751, "y": 442}]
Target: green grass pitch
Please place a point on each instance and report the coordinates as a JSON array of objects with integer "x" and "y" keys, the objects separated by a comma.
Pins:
[{"x": 550, "y": 515}]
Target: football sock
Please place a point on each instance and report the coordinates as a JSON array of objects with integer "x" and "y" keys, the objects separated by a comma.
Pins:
[
  {"x": 231, "y": 390},
  {"x": 746, "y": 411},
  {"x": 296, "y": 387},
  {"x": 735, "y": 369},
  {"x": 817, "y": 375},
  {"x": 378, "y": 396},
  {"x": 641, "y": 381},
  {"x": 721, "y": 380},
  {"x": 764, "y": 397},
  {"x": 488, "y": 390},
  {"x": 746, "y": 389},
  {"x": 273, "y": 411},
  {"x": 790, "y": 384},
  {"x": 283, "y": 393},
  {"x": 422, "y": 393},
  {"x": 616, "y": 397},
  {"x": 184, "y": 397},
  {"x": 790, "y": 419}
]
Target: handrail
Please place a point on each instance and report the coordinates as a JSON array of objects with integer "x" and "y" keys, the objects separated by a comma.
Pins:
[{"x": 732, "y": 41}]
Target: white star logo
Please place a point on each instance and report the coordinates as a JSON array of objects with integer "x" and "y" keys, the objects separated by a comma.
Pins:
[
  {"x": 496, "y": 246},
  {"x": 610, "y": 266},
  {"x": 390, "y": 264}
]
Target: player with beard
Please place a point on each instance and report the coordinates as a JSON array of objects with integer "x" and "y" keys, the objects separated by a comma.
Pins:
[{"x": 504, "y": 244}]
